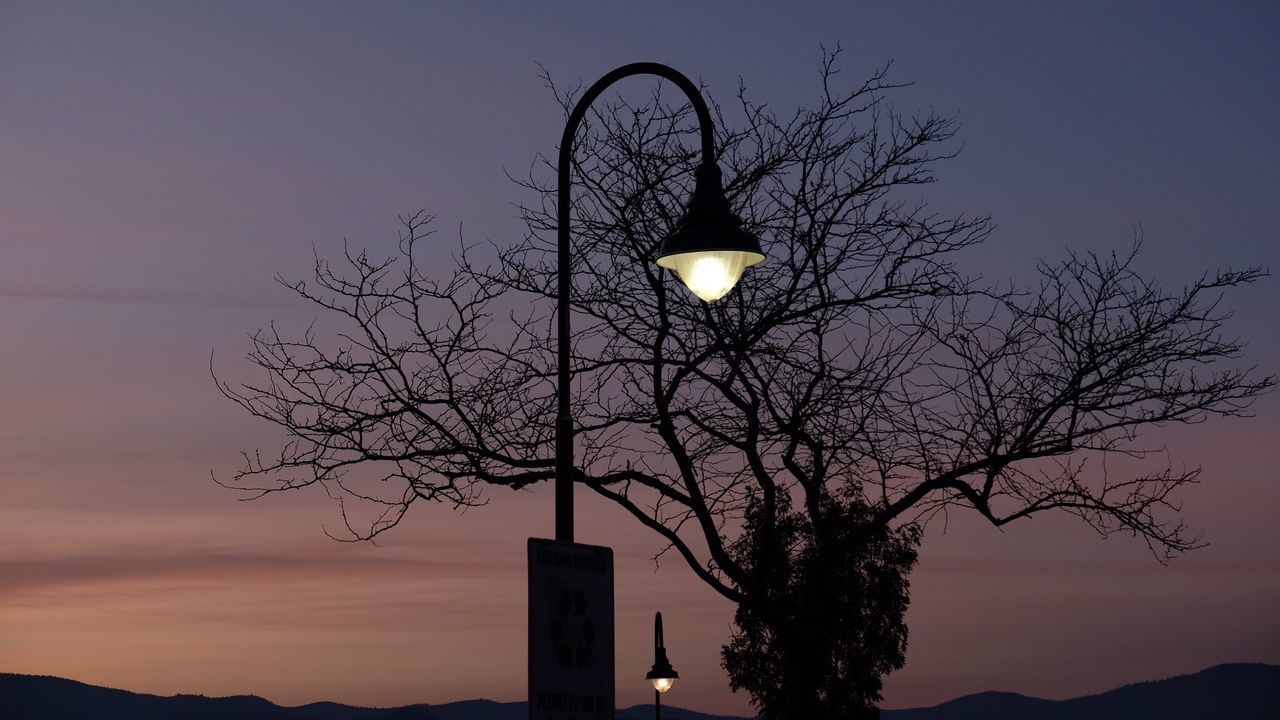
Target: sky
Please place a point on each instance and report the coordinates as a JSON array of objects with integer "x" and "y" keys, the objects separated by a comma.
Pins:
[{"x": 161, "y": 162}]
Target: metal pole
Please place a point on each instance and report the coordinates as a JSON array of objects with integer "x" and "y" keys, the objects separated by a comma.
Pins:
[
  {"x": 564, "y": 421},
  {"x": 657, "y": 657}
]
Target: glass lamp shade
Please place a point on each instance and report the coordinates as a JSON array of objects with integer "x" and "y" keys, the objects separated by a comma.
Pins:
[
  {"x": 663, "y": 684},
  {"x": 710, "y": 274}
]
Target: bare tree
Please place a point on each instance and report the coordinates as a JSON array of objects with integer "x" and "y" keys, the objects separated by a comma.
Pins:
[{"x": 789, "y": 441}]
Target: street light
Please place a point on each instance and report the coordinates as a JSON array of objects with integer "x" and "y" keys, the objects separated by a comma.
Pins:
[
  {"x": 708, "y": 250},
  {"x": 662, "y": 675}
]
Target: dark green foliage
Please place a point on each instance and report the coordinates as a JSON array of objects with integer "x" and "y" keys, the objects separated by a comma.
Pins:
[{"x": 825, "y": 621}]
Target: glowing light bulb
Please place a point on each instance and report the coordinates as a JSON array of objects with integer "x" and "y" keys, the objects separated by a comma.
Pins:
[
  {"x": 711, "y": 274},
  {"x": 663, "y": 684}
]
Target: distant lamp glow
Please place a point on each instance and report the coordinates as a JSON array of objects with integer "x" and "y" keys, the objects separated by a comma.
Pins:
[
  {"x": 662, "y": 684},
  {"x": 709, "y": 250}
]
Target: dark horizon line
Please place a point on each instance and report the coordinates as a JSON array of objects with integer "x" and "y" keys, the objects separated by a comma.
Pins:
[{"x": 1212, "y": 669}]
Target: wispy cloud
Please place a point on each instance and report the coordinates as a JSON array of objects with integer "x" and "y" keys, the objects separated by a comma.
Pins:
[
  {"x": 19, "y": 574},
  {"x": 149, "y": 297}
]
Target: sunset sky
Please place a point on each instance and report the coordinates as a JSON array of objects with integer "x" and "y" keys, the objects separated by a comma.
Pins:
[{"x": 160, "y": 162}]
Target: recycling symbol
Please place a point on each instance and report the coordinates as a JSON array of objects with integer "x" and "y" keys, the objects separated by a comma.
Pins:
[{"x": 573, "y": 634}]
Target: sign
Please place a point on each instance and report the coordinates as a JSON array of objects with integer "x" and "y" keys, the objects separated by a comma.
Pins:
[{"x": 570, "y": 631}]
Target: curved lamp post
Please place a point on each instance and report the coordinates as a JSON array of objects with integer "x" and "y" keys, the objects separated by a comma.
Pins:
[
  {"x": 662, "y": 675},
  {"x": 709, "y": 250}
]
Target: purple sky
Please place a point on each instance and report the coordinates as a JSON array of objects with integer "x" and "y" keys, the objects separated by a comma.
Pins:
[{"x": 159, "y": 163}]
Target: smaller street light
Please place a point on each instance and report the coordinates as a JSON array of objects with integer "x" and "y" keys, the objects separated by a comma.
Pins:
[{"x": 662, "y": 675}]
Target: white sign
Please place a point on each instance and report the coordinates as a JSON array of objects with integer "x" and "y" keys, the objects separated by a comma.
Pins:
[{"x": 570, "y": 631}]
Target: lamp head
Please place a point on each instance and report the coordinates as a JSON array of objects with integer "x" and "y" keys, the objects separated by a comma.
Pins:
[
  {"x": 662, "y": 675},
  {"x": 709, "y": 250}
]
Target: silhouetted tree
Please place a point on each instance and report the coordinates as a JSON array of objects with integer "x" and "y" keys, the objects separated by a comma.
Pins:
[
  {"x": 790, "y": 441},
  {"x": 828, "y": 624}
]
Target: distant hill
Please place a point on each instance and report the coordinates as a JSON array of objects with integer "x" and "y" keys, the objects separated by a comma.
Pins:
[
  {"x": 1226, "y": 692},
  {"x": 1223, "y": 692},
  {"x": 33, "y": 697}
]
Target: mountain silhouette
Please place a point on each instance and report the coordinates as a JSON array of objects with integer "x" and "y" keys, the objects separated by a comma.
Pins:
[{"x": 1231, "y": 692}]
